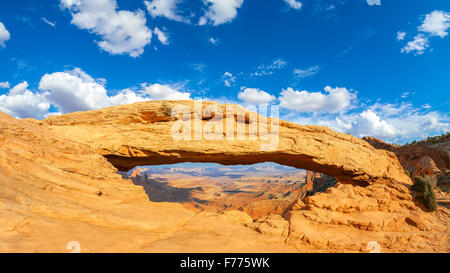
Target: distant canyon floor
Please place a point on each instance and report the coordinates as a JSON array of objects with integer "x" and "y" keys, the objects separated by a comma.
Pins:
[{"x": 258, "y": 191}]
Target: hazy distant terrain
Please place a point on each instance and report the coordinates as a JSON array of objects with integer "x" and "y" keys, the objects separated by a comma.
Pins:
[{"x": 256, "y": 189}]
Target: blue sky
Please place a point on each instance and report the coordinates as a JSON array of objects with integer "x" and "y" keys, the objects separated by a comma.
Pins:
[{"x": 364, "y": 67}]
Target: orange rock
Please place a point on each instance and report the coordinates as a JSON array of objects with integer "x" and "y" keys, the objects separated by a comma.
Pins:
[
  {"x": 141, "y": 134},
  {"x": 411, "y": 155},
  {"x": 426, "y": 167},
  {"x": 57, "y": 187}
]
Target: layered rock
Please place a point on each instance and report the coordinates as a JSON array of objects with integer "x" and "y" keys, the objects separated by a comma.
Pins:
[
  {"x": 56, "y": 186},
  {"x": 54, "y": 190},
  {"x": 141, "y": 134},
  {"x": 426, "y": 167},
  {"x": 410, "y": 156}
]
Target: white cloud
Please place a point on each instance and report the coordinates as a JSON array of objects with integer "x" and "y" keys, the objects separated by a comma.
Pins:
[
  {"x": 45, "y": 20},
  {"x": 164, "y": 92},
  {"x": 127, "y": 96},
  {"x": 75, "y": 90},
  {"x": 304, "y": 73},
  {"x": 19, "y": 88},
  {"x": 229, "y": 79},
  {"x": 4, "y": 84},
  {"x": 255, "y": 96},
  {"x": 405, "y": 95},
  {"x": 294, "y": 4},
  {"x": 269, "y": 69},
  {"x": 401, "y": 35},
  {"x": 436, "y": 23},
  {"x": 368, "y": 123},
  {"x": 22, "y": 103},
  {"x": 418, "y": 45},
  {"x": 164, "y": 8},
  {"x": 220, "y": 11},
  {"x": 374, "y": 2},
  {"x": 395, "y": 123},
  {"x": 213, "y": 41},
  {"x": 334, "y": 100},
  {"x": 4, "y": 35},
  {"x": 162, "y": 37},
  {"x": 121, "y": 31}
]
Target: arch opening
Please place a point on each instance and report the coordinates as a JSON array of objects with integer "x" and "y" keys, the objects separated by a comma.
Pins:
[{"x": 257, "y": 189}]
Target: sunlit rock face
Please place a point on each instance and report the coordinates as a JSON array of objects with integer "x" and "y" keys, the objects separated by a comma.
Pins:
[
  {"x": 414, "y": 157},
  {"x": 54, "y": 177},
  {"x": 142, "y": 134}
]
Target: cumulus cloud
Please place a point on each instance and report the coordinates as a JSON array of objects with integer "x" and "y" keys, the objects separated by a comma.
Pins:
[
  {"x": 22, "y": 103},
  {"x": 164, "y": 8},
  {"x": 75, "y": 90},
  {"x": 162, "y": 36},
  {"x": 294, "y": 4},
  {"x": 4, "y": 84},
  {"x": 333, "y": 100},
  {"x": 368, "y": 123},
  {"x": 304, "y": 73},
  {"x": 164, "y": 92},
  {"x": 19, "y": 88},
  {"x": 220, "y": 11},
  {"x": 121, "y": 31},
  {"x": 4, "y": 35},
  {"x": 418, "y": 45},
  {"x": 395, "y": 123},
  {"x": 255, "y": 96},
  {"x": 435, "y": 24}
]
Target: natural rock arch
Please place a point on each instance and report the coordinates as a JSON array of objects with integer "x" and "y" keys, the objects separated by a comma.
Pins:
[
  {"x": 140, "y": 134},
  {"x": 51, "y": 180}
]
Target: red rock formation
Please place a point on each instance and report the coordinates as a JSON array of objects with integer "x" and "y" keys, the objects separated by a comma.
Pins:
[
  {"x": 410, "y": 155},
  {"x": 141, "y": 134},
  {"x": 426, "y": 167},
  {"x": 56, "y": 179}
]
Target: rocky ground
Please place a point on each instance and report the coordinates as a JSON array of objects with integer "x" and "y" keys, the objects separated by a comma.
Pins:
[{"x": 56, "y": 186}]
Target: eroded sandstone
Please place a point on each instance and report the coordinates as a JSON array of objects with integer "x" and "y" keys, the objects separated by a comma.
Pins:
[
  {"x": 56, "y": 186},
  {"x": 141, "y": 134}
]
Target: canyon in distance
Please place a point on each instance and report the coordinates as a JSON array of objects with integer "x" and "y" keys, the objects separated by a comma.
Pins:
[{"x": 115, "y": 180}]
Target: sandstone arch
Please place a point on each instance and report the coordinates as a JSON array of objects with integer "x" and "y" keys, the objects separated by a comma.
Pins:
[
  {"x": 51, "y": 180},
  {"x": 140, "y": 134}
]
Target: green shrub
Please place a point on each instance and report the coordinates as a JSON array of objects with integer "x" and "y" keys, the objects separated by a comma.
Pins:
[
  {"x": 424, "y": 186},
  {"x": 432, "y": 180}
]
